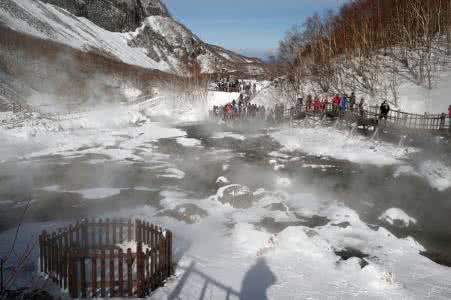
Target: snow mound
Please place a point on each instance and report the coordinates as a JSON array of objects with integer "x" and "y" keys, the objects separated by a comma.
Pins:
[
  {"x": 188, "y": 142},
  {"x": 331, "y": 142},
  {"x": 396, "y": 216},
  {"x": 223, "y": 135},
  {"x": 437, "y": 174}
]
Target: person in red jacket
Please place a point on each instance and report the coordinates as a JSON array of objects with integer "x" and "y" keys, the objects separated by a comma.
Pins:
[
  {"x": 336, "y": 103},
  {"x": 317, "y": 104},
  {"x": 449, "y": 111}
]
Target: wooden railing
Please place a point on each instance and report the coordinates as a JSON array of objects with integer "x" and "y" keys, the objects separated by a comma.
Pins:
[
  {"x": 404, "y": 120},
  {"x": 89, "y": 259},
  {"x": 395, "y": 118}
]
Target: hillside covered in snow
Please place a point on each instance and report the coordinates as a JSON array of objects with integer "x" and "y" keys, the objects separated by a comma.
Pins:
[
  {"x": 135, "y": 32},
  {"x": 56, "y": 51}
]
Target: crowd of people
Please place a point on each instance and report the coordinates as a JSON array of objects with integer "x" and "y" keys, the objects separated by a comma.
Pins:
[
  {"x": 238, "y": 110},
  {"x": 234, "y": 85},
  {"x": 336, "y": 104},
  {"x": 242, "y": 108}
]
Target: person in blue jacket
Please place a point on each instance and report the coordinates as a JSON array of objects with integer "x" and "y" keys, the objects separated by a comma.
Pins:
[{"x": 344, "y": 103}]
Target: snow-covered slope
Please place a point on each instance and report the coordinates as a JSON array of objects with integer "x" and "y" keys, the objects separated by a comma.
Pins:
[{"x": 142, "y": 33}]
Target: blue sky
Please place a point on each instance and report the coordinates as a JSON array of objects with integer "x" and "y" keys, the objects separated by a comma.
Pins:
[{"x": 252, "y": 27}]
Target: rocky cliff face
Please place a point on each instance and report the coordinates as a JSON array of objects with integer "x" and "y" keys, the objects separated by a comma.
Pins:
[
  {"x": 113, "y": 15},
  {"x": 135, "y": 32}
]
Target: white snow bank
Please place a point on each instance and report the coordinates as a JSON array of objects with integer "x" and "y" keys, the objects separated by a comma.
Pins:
[
  {"x": 222, "y": 180},
  {"x": 333, "y": 143},
  {"x": 437, "y": 174},
  {"x": 173, "y": 173},
  {"x": 188, "y": 142},
  {"x": 98, "y": 193},
  {"x": 405, "y": 170},
  {"x": 223, "y": 135},
  {"x": 396, "y": 215}
]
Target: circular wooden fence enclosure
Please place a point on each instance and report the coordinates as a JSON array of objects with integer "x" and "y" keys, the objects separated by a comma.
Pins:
[{"x": 89, "y": 259}]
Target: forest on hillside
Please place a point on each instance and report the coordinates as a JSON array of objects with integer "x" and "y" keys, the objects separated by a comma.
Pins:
[{"x": 369, "y": 46}]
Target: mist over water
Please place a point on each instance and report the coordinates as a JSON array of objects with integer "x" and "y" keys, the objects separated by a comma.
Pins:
[{"x": 237, "y": 179}]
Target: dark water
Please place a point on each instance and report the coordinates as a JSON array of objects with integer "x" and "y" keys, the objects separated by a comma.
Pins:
[{"x": 369, "y": 190}]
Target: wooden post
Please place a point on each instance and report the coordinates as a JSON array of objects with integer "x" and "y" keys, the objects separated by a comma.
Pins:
[
  {"x": 153, "y": 256},
  {"x": 54, "y": 257},
  {"x": 129, "y": 272},
  {"x": 84, "y": 233},
  {"x": 139, "y": 267},
  {"x": 121, "y": 273},
  {"x": 152, "y": 236},
  {"x": 77, "y": 234},
  {"x": 41, "y": 253},
  {"x": 102, "y": 273},
  {"x": 114, "y": 232},
  {"x": 93, "y": 233},
  {"x": 74, "y": 274},
  {"x": 70, "y": 274},
  {"x": 100, "y": 231},
  {"x": 65, "y": 257},
  {"x": 160, "y": 257},
  {"x": 112, "y": 283},
  {"x": 138, "y": 231},
  {"x": 129, "y": 230},
  {"x": 121, "y": 233},
  {"x": 147, "y": 271},
  {"x": 82, "y": 274},
  {"x": 46, "y": 251},
  {"x": 60, "y": 258},
  {"x": 169, "y": 253},
  {"x": 94, "y": 275},
  {"x": 107, "y": 232},
  {"x": 70, "y": 236},
  {"x": 2, "y": 287}
]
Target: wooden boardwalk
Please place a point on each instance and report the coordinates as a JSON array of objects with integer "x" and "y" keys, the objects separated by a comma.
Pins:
[{"x": 435, "y": 124}]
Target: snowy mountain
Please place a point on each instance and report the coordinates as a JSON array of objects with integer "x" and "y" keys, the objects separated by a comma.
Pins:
[{"x": 136, "y": 32}]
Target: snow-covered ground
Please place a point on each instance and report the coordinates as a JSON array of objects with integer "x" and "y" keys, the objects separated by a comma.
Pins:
[
  {"x": 339, "y": 144},
  {"x": 253, "y": 234}
]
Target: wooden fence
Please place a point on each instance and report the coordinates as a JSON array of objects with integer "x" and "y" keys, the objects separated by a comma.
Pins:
[
  {"x": 404, "y": 120},
  {"x": 89, "y": 260},
  {"x": 395, "y": 119}
]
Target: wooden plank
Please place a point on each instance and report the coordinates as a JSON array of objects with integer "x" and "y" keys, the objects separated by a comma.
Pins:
[
  {"x": 65, "y": 257},
  {"x": 169, "y": 238},
  {"x": 121, "y": 233},
  {"x": 114, "y": 233},
  {"x": 153, "y": 255},
  {"x": 147, "y": 270},
  {"x": 102, "y": 273},
  {"x": 129, "y": 230},
  {"x": 54, "y": 257},
  {"x": 83, "y": 285},
  {"x": 75, "y": 274},
  {"x": 147, "y": 233},
  {"x": 139, "y": 267},
  {"x": 41, "y": 252},
  {"x": 107, "y": 232},
  {"x": 60, "y": 258},
  {"x": 129, "y": 273},
  {"x": 77, "y": 234},
  {"x": 138, "y": 231},
  {"x": 121, "y": 273},
  {"x": 112, "y": 277},
  {"x": 99, "y": 233},
  {"x": 94, "y": 275},
  {"x": 160, "y": 266},
  {"x": 93, "y": 233},
  {"x": 152, "y": 236}
]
